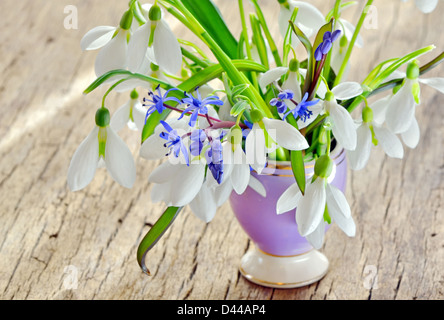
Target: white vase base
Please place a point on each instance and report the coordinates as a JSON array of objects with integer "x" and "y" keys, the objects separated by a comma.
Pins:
[{"x": 283, "y": 272}]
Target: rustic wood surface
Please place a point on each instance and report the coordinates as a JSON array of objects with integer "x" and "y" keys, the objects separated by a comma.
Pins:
[{"x": 56, "y": 244}]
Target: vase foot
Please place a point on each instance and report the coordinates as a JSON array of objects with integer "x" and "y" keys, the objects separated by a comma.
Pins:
[{"x": 283, "y": 271}]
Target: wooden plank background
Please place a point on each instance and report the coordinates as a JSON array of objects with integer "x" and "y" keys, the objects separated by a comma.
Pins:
[{"x": 55, "y": 244}]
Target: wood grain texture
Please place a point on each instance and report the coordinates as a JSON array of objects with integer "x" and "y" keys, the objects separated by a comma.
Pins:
[{"x": 55, "y": 244}]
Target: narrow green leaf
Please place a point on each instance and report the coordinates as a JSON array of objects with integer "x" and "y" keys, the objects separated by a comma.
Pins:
[
  {"x": 298, "y": 167},
  {"x": 154, "y": 235},
  {"x": 238, "y": 108},
  {"x": 236, "y": 90},
  {"x": 310, "y": 53},
  {"x": 212, "y": 21}
]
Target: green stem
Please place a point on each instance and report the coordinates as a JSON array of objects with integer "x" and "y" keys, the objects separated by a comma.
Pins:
[
  {"x": 270, "y": 39},
  {"x": 352, "y": 43},
  {"x": 246, "y": 40},
  {"x": 328, "y": 61}
]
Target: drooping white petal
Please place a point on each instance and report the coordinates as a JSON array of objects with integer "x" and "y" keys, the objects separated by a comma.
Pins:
[
  {"x": 436, "y": 83},
  {"x": 336, "y": 202},
  {"x": 166, "y": 48},
  {"x": 121, "y": 117},
  {"x": 165, "y": 172},
  {"x": 309, "y": 18},
  {"x": 257, "y": 186},
  {"x": 292, "y": 83},
  {"x": 139, "y": 113},
  {"x": 222, "y": 192},
  {"x": 285, "y": 134},
  {"x": 137, "y": 47},
  {"x": 311, "y": 207},
  {"x": 119, "y": 160},
  {"x": 97, "y": 37},
  {"x": 412, "y": 135},
  {"x": 347, "y": 90},
  {"x": 426, "y": 6},
  {"x": 389, "y": 142},
  {"x": 379, "y": 108},
  {"x": 272, "y": 75},
  {"x": 359, "y": 157},
  {"x": 316, "y": 238},
  {"x": 84, "y": 162},
  {"x": 255, "y": 148},
  {"x": 182, "y": 187},
  {"x": 401, "y": 109},
  {"x": 113, "y": 55},
  {"x": 339, "y": 211},
  {"x": 349, "y": 31},
  {"x": 204, "y": 205},
  {"x": 289, "y": 199},
  {"x": 240, "y": 176},
  {"x": 343, "y": 127}
]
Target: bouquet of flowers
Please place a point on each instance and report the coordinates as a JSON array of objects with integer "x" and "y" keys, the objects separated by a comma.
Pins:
[{"x": 216, "y": 119}]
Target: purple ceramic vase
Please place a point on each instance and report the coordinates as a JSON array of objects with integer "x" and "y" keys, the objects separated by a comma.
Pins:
[{"x": 281, "y": 257}]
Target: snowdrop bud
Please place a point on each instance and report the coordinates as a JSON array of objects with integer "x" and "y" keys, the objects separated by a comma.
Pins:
[
  {"x": 256, "y": 116},
  {"x": 154, "y": 67},
  {"x": 367, "y": 114},
  {"x": 155, "y": 14},
  {"x": 413, "y": 70},
  {"x": 329, "y": 96},
  {"x": 343, "y": 42},
  {"x": 284, "y": 3},
  {"x": 294, "y": 65},
  {"x": 235, "y": 136},
  {"x": 102, "y": 117},
  {"x": 323, "y": 166},
  {"x": 134, "y": 94},
  {"x": 126, "y": 20}
]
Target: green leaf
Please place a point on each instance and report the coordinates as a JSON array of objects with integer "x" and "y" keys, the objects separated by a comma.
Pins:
[
  {"x": 298, "y": 167},
  {"x": 154, "y": 235},
  {"x": 212, "y": 21},
  {"x": 310, "y": 53},
  {"x": 238, "y": 108},
  {"x": 236, "y": 90}
]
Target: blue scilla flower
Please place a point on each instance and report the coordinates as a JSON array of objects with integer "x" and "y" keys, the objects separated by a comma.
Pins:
[
  {"x": 157, "y": 101},
  {"x": 214, "y": 157},
  {"x": 174, "y": 142},
  {"x": 327, "y": 43},
  {"x": 301, "y": 109},
  {"x": 198, "y": 106},
  {"x": 197, "y": 138}
]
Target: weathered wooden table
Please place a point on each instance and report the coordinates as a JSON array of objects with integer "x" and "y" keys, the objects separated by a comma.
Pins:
[{"x": 55, "y": 244}]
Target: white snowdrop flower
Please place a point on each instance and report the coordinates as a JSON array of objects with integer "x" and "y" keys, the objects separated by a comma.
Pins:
[
  {"x": 311, "y": 207},
  {"x": 309, "y": 18},
  {"x": 112, "y": 42},
  {"x": 342, "y": 124},
  {"x": 102, "y": 145},
  {"x": 156, "y": 40},
  {"x": 292, "y": 82},
  {"x": 371, "y": 132},
  {"x": 131, "y": 114},
  {"x": 279, "y": 133},
  {"x": 425, "y": 6}
]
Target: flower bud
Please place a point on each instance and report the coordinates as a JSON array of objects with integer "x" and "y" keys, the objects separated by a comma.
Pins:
[
  {"x": 155, "y": 13},
  {"x": 235, "y": 136},
  {"x": 323, "y": 166},
  {"x": 102, "y": 117},
  {"x": 294, "y": 65},
  {"x": 256, "y": 116},
  {"x": 413, "y": 70},
  {"x": 154, "y": 67},
  {"x": 134, "y": 94},
  {"x": 127, "y": 20},
  {"x": 343, "y": 42},
  {"x": 367, "y": 114},
  {"x": 329, "y": 96}
]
